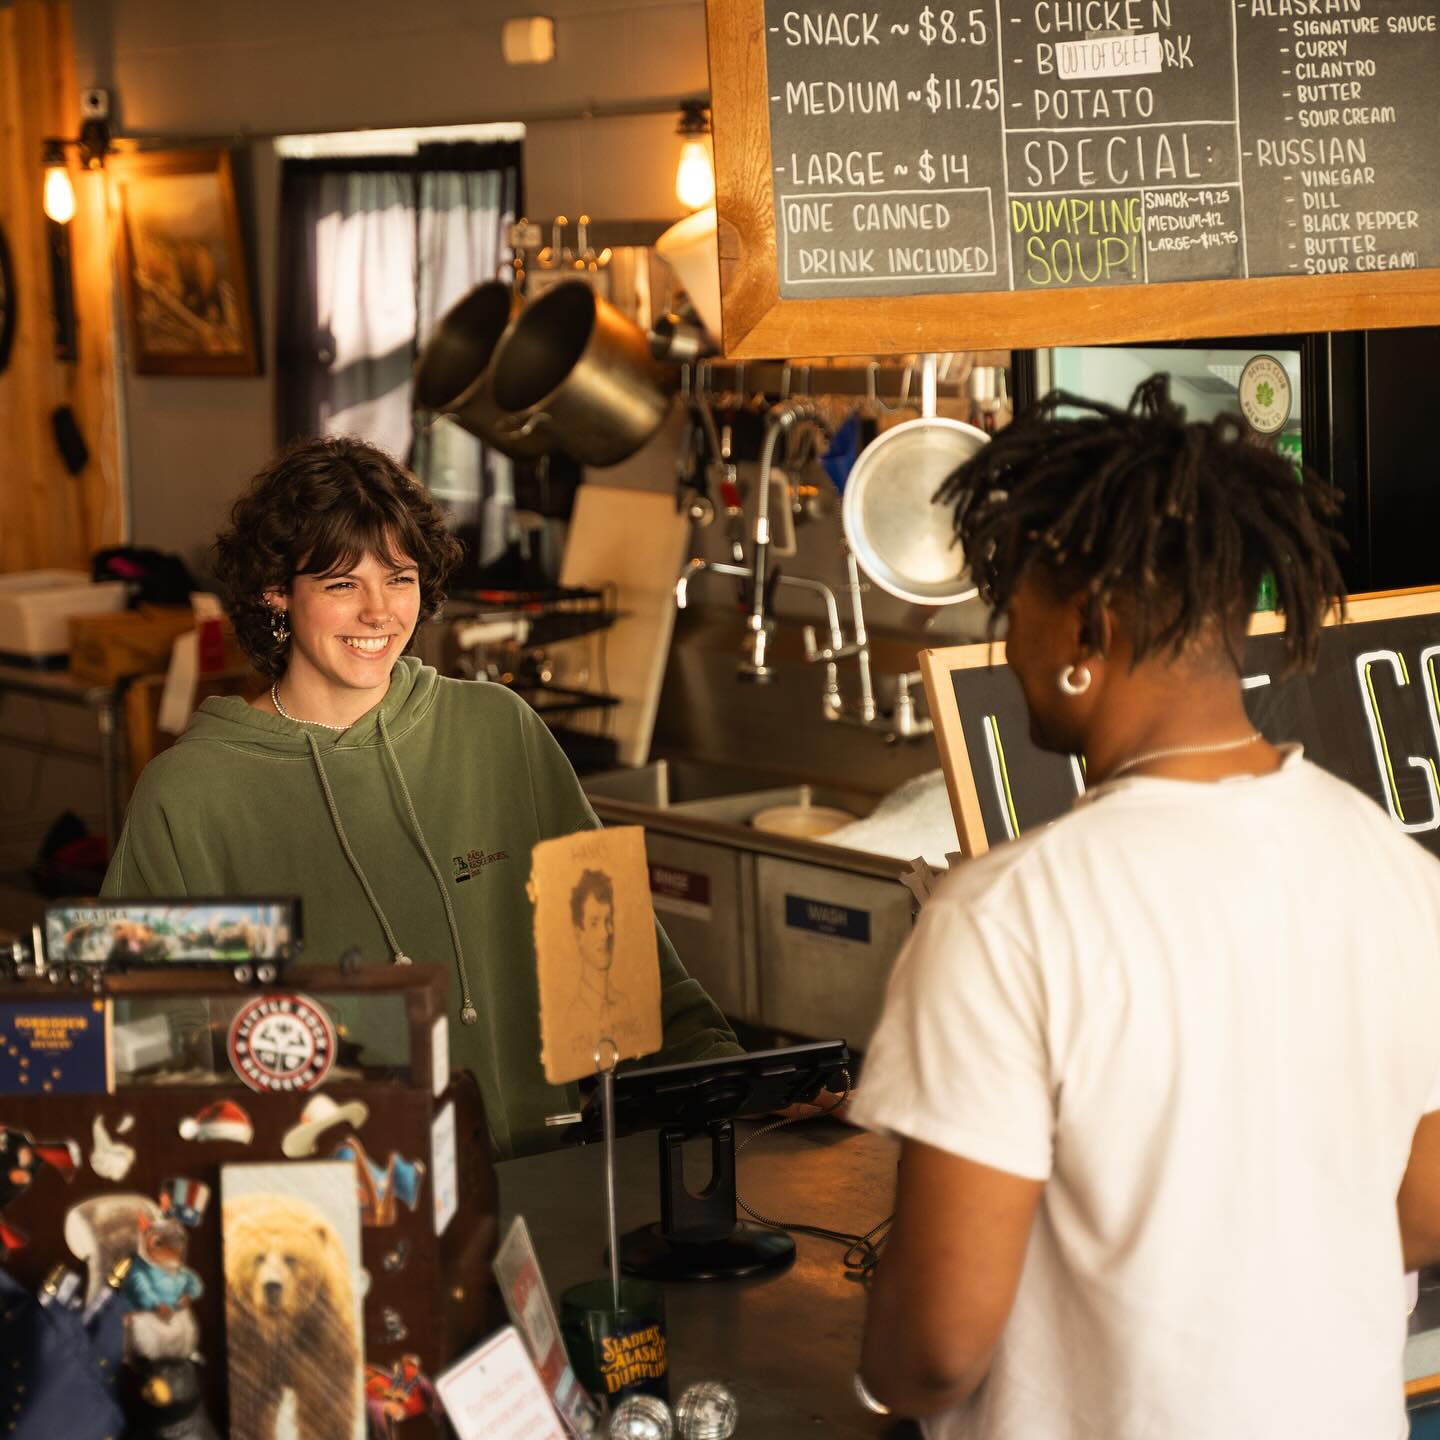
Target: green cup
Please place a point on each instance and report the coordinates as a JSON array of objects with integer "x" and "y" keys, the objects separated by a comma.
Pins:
[{"x": 617, "y": 1352}]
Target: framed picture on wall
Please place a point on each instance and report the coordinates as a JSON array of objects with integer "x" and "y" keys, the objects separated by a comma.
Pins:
[{"x": 182, "y": 265}]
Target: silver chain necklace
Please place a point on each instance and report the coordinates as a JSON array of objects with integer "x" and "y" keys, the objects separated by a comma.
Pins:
[
  {"x": 1146, "y": 756},
  {"x": 285, "y": 714}
]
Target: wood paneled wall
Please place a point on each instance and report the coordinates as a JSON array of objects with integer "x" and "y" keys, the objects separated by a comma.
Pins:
[{"x": 47, "y": 516}]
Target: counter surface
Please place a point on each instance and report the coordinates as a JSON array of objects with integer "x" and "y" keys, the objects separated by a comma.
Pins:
[{"x": 787, "y": 1345}]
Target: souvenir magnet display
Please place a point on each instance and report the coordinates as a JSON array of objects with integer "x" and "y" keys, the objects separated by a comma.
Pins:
[
  {"x": 110, "y": 1159},
  {"x": 382, "y": 1188},
  {"x": 104, "y": 1231},
  {"x": 253, "y": 939},
  {"x": 396, "y": 1395},
  {"x": 320, "y": 1114},
  {"x": 21, "y": 1159},
  {"x": 185, "y": 1200},
  {"x": 282, "y": 1043},
  {"x": 293, "y": 1286},
  {"x": 224, "y": 1120},
  {"x": 161, "y": 1290},
  {"x": 55, "y": 1047}
]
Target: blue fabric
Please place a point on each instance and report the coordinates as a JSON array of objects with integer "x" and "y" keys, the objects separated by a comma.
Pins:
[
  {"x": 844, "y": 451},
  {"x": 1425, "y": 1424},
  {"x": 52, "y": 1382}
]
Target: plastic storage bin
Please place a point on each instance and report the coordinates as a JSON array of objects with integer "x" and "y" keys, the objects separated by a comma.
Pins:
[{"x": 35, "y": 611}]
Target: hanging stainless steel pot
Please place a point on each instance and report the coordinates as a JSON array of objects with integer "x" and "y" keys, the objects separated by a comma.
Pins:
[
  {"x": 454, "y": 376},
  {"x": 902, "y": 540},
  {"x": 572, "y": 367}
]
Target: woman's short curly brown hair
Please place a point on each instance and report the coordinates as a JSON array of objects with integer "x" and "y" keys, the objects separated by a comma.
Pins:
[{"x": 319, "y": 509}]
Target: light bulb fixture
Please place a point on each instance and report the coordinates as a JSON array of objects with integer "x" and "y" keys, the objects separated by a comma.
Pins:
[
  {"x": 59, "y": 192},
  {"x": 93, "y": 145},
  {"x": 695, "y": 174}
]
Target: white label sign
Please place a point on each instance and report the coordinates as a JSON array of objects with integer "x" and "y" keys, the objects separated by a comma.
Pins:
[
  {"x": 440, "y": 1055},
  {"x": 495, "y": 1394},
  {"x": 1100, "y": 55},
  {"x": 445, "y": 1187}
]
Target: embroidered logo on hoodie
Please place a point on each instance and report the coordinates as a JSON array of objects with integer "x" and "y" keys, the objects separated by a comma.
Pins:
[{"x": 463, "y": 867}]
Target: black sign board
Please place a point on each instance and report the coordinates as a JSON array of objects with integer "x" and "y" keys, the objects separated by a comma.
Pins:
[
  {"x": 1046, "y": 145},
  {"x": 1369, "y": 713}
]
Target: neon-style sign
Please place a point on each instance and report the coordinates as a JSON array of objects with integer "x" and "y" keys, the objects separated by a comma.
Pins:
[{"x": 1364, "y": 664}]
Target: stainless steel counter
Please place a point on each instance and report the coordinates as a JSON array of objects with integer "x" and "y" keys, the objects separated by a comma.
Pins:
[
  {"x": 794, "y": 935},
  {"x": 786, "y": 1344}
]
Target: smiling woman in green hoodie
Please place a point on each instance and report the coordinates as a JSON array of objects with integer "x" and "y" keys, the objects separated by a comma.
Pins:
[{"x": 400, "y": 805}]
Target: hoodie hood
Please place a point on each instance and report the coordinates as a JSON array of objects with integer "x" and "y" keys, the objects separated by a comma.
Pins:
[{"x": 233, "y": 721}]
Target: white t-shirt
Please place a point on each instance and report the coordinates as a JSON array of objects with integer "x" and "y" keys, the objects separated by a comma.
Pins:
[{"x": 1208, "y": 1016}]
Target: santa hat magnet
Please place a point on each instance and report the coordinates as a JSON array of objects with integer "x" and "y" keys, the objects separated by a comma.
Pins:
[
  {"x": 224, "y": 1120},
  {"x": 320, "y": 1114}
]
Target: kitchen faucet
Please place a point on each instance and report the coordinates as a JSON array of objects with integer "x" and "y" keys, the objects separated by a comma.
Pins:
[
  {"x": 831, "y": 702},
  {"x": 901, "y": 723}
]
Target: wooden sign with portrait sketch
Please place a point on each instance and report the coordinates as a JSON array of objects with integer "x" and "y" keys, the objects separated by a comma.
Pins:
[{"x": 595, "y": 950}]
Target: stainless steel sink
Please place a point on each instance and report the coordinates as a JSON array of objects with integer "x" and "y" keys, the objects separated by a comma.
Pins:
[{"x": 715, "y": 792}]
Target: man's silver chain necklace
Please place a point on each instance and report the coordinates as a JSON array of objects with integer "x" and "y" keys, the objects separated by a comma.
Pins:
[
  {"x": 1148, "y": 755},
  {"x": 285, "y": 714}
]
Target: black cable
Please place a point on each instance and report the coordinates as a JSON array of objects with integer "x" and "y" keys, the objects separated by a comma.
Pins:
[{"x": 862, "y": 1252}]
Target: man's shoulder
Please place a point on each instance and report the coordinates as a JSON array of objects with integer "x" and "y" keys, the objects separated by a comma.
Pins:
[{"x": 1010, "y": 867}]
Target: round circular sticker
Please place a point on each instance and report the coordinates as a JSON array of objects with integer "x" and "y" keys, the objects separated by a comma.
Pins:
[
  {"x": 282, "y": 1043},
  {"x": 1265, "y": 394}
]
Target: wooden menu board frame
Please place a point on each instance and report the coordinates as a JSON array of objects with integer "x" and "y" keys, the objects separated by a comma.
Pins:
[
  {"x": 758, "y": 324},
  {"x": 937, "y": 666}
]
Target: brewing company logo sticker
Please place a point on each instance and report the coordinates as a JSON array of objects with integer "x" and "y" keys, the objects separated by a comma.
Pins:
[
  {"x": 1264, "y": 393},
  {"x": 282, "y": 1044}
]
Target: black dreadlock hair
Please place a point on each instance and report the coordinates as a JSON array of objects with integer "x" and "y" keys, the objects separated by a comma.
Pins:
[{"x": 1181, "y": 518}]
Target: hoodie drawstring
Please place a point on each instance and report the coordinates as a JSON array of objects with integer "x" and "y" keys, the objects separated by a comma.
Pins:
[{"x": 468, "y": 1013}]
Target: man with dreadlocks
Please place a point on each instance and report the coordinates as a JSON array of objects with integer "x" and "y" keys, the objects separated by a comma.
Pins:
[{"x": 1161, "y": 1069}]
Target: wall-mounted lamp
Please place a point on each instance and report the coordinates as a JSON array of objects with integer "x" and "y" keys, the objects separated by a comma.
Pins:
[
  {"x": 93, "y": 144},
  {"x": 59, "y": 192},
  {"x": 695, "y": 174}
]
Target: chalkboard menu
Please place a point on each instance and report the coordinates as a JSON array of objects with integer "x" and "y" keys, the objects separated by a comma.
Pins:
[
  {"x": 1369, "y": 713},
  {"x": 923, "y": 148}
]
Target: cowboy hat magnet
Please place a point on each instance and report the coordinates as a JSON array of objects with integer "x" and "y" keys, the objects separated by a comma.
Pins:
[{"x": 320, "y": 1114}]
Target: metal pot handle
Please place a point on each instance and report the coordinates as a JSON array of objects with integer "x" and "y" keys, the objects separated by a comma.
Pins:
[{"x": 505, "y": 425}]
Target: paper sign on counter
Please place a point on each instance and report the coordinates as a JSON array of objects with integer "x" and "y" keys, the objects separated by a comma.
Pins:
[
  {"x": 495, "y": 1394},
  {"x": 595, "y": 948},
  {"x": 517, "y": 1269}
]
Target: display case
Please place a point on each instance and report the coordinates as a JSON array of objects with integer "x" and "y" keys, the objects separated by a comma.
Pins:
[{"x": 180, "y": 1110}]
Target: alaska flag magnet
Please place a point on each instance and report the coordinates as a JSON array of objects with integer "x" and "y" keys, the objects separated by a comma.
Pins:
[{"x": 55, "y": 1047}]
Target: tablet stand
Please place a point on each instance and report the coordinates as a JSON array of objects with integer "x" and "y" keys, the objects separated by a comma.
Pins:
[{"x": 699, "y": 1236}]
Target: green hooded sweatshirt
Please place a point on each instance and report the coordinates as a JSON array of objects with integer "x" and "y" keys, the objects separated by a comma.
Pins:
[{"x": 248, "y": 803}]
